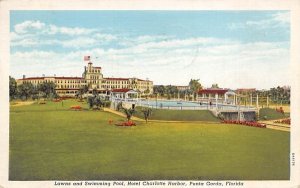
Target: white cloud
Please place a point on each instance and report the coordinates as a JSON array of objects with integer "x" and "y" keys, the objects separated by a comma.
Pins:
[
  {"x": 28, "y": 26},
  {"x": 163, "y": 59},
  {"x": 79, "y": 43},
  {"x": 231, "y": 64},
  {"x": 282, "y": 17},
  {"x": 276, "y": 20},
  {"x": 105, "y": 37},
  {"x": 72, "y": 31},
  {"x": 29, "y": 34}
]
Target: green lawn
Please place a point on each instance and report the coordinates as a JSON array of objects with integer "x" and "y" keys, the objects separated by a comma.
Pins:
[
  {"x": 50, "y": 142},
  {"x": 271, "y": 114},
  {"x": 179, "y": 115}
]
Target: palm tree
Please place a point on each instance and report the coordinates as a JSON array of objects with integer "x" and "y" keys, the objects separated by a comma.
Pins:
[
  {"x": 98, "y": 102},
  {"x": 82, "y": 90},
  {"x": 195, "y": 86},
  {"x": 128, "y": 112},
  {"x": 147, "y": 113}
]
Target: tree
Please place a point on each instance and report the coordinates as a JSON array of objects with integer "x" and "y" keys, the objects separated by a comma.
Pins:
[
  {"x": 195, "y": 85},
  {"x": 129, "y": 113},
  {"x": 119, "y": 106},
  {"x": 95, "y": 101},
  {"x": 98, "y": 102},
  {"x": 159, "y": 89},
  {"x": 214, "y": 86},
  {"x": 82, "y": 90},
  {"x": 25, "y": 90},
  {"x": 35, "y": 93},
  {"x": 13, "y": 91},
  {"x": 91, "y": 102},
  {"x": 147, "y": 113},
  {"x": 47, "y": 88},
  {"x": 95, "y": 92}
]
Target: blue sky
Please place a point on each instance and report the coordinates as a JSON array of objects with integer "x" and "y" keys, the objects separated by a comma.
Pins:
[{"x": 232, "y": 48}]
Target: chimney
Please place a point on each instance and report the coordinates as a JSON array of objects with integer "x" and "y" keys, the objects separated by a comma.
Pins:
[
  {"x": 43, "y": 75},
  {"x": 24, "y": 76}
]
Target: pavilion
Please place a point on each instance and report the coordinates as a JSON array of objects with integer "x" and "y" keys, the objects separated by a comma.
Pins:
[
  {"x": 217, "y": 95},
  {"x": 126, "y": 95}
]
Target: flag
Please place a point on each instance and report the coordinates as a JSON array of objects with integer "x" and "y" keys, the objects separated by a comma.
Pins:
[{"x": 87, "y": 58}]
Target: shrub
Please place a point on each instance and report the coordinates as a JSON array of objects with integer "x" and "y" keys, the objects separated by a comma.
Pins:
[
  {"x": 246, "y": 123},
  {"x": 284, "y": 121},
  {"x": 76, "y": 108},
  {"x": 107, "y": 104},
  {"x": 127, "y": 123}
]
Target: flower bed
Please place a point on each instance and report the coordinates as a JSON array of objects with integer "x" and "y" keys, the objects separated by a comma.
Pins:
[
  {"x": 246, "y": 123},
  {"x": 76, "y": 108},
  {"x": 56, "y": 100},
  {"x": 280, "y": 110},
  {"x": 284, "y": 121},
  {"x": 127, "y": 123}
]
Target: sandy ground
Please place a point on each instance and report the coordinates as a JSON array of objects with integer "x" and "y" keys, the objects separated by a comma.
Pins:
[
  {"x": 276, "y": 126},
  {"x": 22, "y": 103},
  {"x": 284, "y": 107}
]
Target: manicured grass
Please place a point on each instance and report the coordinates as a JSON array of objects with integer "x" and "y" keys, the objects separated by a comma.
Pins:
[
  {"x": 270, "y": 114},
  {"x": 50, "y": 142},
  {"x": 179, "y": 115}
]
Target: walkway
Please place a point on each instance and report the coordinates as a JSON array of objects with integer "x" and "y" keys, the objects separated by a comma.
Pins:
[
  {"x": 21, "y": 103},
  {"x": 121, "y": 114},
  {"x": 277, "y": 126}
]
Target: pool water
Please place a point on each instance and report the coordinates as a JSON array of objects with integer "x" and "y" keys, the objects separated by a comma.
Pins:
[{"x": 186, "y": 105}]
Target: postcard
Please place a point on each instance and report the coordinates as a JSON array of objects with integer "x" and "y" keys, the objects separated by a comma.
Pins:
[{"x": 149, "y": 94}]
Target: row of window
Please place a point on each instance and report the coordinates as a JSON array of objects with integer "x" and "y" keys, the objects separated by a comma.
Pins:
[
  {"x": 94, "y": 70},
  {"x": 108, "y": 84}
]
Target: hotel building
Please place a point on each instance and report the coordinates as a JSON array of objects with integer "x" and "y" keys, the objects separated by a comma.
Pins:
[{"x": 92, "y": 77}]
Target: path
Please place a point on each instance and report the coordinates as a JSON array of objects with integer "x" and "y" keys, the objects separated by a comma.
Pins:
[
  {"x": 277, "y": 126},
  {"x": 22, "y": 103},
  {"x": 121, "y": 114}
]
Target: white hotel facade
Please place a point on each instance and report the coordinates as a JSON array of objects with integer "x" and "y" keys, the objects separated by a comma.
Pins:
[{"x": 93, "y": 78}]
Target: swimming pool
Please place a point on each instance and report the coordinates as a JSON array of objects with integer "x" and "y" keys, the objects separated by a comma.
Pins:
[{"x": 188, "y": 105}]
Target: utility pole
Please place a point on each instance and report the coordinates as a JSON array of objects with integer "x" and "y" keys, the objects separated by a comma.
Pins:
[{"x": 257, "y": 101}]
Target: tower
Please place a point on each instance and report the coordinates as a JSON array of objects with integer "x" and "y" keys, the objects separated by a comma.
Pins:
[{"x": 93, "y": 75}]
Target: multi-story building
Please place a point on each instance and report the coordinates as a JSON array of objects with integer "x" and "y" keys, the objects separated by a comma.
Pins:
[
  {"x": 92, "y": 77},
  {"x": 182, "y": 88}
]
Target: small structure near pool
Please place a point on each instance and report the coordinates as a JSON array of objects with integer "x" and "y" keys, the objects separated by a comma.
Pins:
[
  {"x": 217, "y": 95},
  {"x": 126, "y": 95}
]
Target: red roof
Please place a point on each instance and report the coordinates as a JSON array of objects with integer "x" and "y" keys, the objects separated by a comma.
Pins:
[
  {"x": 42, "y": 78},
  {"x": 121, "y": 90},
  {"x": 33, "y": 78},
  {"x": 116, "y": 78},
  {"x": 213, "y": 91},
  {"x": 70, "y": 78}
]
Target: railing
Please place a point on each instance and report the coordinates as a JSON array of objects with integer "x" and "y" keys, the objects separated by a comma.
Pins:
[{"x": 202, "y": 107}]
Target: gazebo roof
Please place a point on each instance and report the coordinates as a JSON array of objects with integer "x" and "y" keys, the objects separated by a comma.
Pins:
[{"x": 213, "y": 91}]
